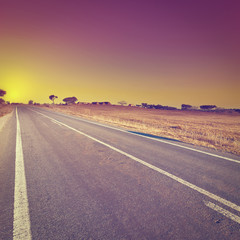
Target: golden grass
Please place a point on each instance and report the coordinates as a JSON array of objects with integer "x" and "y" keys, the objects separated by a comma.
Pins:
[
  {"x": 210, "y": 129},
  {"x": 5, "y": 109}
]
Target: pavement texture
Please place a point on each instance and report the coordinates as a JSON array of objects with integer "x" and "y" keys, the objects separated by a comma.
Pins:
[{"x": 79, "y": 188}]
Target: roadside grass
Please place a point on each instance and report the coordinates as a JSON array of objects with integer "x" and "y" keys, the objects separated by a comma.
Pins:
[
  {"x": 220, "y": 131},
  {"x": 5, "y": 109}
]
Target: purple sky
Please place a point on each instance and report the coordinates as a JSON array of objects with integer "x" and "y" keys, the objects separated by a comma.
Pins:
[{"x": 160, "y": 38}]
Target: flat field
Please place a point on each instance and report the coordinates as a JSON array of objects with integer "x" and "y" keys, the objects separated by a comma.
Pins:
[{"x": 210, "y": 129}]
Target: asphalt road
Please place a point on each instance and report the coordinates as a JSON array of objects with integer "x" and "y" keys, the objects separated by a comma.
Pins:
[{"x": 63, "y": 177}]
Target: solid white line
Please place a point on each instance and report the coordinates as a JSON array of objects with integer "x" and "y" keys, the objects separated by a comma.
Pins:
[
  {"x": 155, "y": 139},
  {"x": 186, "y": 183},
  {"x": 223, "y": 211},
  {"x": 56, "y": 122},
  {"x": 21, "y": 218}
]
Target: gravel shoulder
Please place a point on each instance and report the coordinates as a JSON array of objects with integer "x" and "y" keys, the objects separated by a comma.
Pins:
[{"x": 4, "y": 119}]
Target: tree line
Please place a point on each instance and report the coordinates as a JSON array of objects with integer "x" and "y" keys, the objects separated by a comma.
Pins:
[
  {"x": 72, "y": 100},
  {"x": 2, "y": 93},
  {"x": 183, "y": 107},
  {"x": 202, "y": 107},
  {"x": 52, "y": 97},
  {"x": 158, "y": 106},
  {"x": 66, "y": 100}
]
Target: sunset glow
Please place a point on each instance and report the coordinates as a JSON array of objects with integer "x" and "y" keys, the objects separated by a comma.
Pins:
[{"x": 160, "y": 52}]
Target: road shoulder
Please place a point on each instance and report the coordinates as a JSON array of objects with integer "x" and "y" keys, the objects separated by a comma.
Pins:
[{"x": 4, "y": 119}]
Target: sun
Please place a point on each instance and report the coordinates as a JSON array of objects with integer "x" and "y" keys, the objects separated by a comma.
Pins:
[{"x": 17, "y": 83}]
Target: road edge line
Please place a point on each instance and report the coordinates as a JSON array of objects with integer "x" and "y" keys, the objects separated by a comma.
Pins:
[{"x": 21, "y": 217}]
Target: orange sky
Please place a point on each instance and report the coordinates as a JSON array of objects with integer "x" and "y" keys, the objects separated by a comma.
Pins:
[{"x": 159, "y": 54}]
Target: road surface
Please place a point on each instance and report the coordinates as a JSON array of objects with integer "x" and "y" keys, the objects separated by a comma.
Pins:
[{"x": 63, "y": 177}]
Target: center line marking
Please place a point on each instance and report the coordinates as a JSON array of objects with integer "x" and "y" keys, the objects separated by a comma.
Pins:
[
  {"x": 56, "y": 122},
  {"x": 223, "y": 211},
  {"x": 180, "y": 180},
  {"x": 21, "y": 218}
]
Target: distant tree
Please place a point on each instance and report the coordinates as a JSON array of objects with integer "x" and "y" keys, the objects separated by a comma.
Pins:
[
  {"x": 207, "y": 107},
  {"x": 186, "y": 106},
  {"x": 158, "y": 106},
  {"x": 150, "y": 106},
  {"x": 237, "y": 110},
  {"x": 106, "y": 103},
  {"x": 169, "y": 108},
  {"x": 70, "y": 100},
  {"x": 2, "y": 101},
  {"x": 144, "y": 105},
  {"x": 53, "y": 97},
  {"x": 122, "y": 103},
  {"x": 30, "y": 102},
  {"x": 2, "y": 92}
]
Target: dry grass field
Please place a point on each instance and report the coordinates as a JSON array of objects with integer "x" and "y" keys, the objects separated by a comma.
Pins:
[
  {"x": 5, "y": 109},
  {"x": 210, "y": 129}
]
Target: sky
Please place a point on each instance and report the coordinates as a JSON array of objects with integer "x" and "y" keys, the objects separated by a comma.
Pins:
[{"x": 158, "y": 52}]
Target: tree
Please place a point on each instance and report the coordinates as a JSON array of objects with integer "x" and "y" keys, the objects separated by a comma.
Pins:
[
  {"x": 2, "y": 92},
  {"x": 144, "y": 105},
  {"x": 30, "y": 102},
  {"x": 207, "y": 107},
  {"x": 70, "y": 100},
  {"x": 186, "y": 106},
  {"x": 53, "y": 97},
  {"x": 122, "y": 103}
]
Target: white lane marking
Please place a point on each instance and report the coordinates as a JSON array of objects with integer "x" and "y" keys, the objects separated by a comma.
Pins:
[
  {"x": 21, "y": 218},
  {"x": 186, "y": 183},
  {"x": 155, "y": 139},
  {"x": 56, "y": 122},
  {"x": 223, "y": 211}
]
